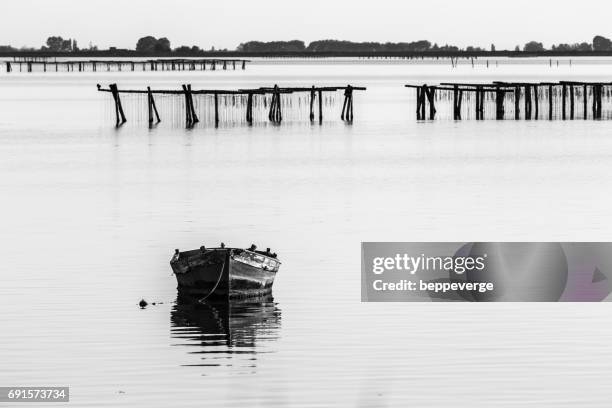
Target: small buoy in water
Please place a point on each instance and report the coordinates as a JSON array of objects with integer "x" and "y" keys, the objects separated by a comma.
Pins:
[{"x": 143, "y": 303}]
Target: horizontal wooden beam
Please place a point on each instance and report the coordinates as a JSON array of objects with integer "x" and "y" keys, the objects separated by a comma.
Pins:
[
  {"x": 257, "y": 91},
  {"x": 447, "y": 88}
]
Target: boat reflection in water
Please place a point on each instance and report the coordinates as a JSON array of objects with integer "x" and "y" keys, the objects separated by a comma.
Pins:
[{"x": 225, "y": 333}]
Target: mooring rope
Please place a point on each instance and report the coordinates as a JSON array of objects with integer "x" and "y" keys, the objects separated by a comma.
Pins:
[{"x": 218, "y": 280}]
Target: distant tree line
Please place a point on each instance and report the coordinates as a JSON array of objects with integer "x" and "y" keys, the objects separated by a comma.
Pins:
[
  {"x": 342, "y": 46},
  {"x": 150, "y": 44},
  {"x": 599, "y": 44}
]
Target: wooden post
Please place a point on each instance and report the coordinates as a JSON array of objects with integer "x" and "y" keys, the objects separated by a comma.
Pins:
[
  {"x": 194, "y": 116},
  {"x": 563, "y": 100},
  {"x": 571, "y": 102},
  {"x": 594, "y": 104},
  {"x": 527, "y": 102},
  {"x": 216, "y": 110},
  {"x": 190, "y": 114},
  {"x": 350, "y": 108},
  {"x": 149, "y": 105},
  {"x": 249, "y": 117},
  {"x": 275, "y": 114},
  {"x": 347, "y": 108},
  {"x": 599, "y": 96},
  {"x": 312, "y": 99},
  {"x": 243, "y": 64},
  {"x": 585, "y": 98},
  {"x": 477, "y": 99},
  {"x": 418, "y": 104},
  {"x": 431, "y": 97},
  {"x": 152, "y": 107},
  {"x": 188, "y": 119},
  {"x": 517, "y": 101},
  {"x": 344, "y": 105},
  {"x": 499, "y": 103},
  {"x": 455, "y": 102},
  {"x": 119, "y": 114},
  {"x": 536, "y": 91},
  {"x": 320, "y": 95},
  {"x": 482, "y": 100},
  {"x": 550, "y": 102}
]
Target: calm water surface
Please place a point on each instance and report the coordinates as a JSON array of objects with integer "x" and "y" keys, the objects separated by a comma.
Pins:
[{"x": 91, "y": 215}]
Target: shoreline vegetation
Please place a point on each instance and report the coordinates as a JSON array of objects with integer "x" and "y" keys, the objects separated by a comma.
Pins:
[{"x": 150, "y": 46}]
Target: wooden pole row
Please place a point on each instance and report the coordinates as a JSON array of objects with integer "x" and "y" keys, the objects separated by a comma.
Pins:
[
  {"x": 154, "y": 65},
  {"x": 530, "y": 93}
]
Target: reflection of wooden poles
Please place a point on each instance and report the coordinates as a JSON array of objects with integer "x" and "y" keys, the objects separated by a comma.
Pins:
[{"x": 119, "y": 114}]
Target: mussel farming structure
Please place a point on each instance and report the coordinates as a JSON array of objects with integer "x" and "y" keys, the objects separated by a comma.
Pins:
[
  {"x": 518, "y": 100},
  {"x": 161, "y": 64},
  {"x": 246, "y": 105}
]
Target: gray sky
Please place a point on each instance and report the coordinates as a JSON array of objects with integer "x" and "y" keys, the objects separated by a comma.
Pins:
[{"x": 225, "y": 24}]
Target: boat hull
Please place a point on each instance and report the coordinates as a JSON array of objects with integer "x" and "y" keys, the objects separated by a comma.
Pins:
[{"x": 224, "y": 273}]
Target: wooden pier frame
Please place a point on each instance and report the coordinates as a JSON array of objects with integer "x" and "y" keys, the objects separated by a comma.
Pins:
[{"x": 275, "y": 111}]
